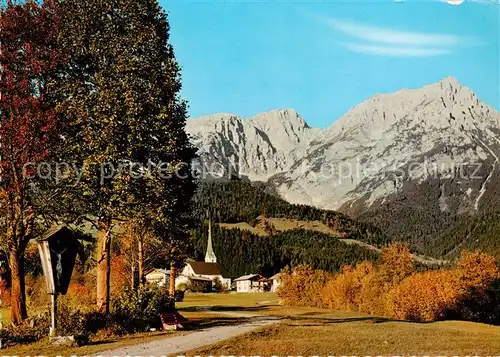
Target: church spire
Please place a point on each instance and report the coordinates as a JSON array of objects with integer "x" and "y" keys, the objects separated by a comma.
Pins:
[{"x": 210, "y": 255}]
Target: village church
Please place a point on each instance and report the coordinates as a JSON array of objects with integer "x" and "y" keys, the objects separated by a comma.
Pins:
[{"x": 207, "y": 271}]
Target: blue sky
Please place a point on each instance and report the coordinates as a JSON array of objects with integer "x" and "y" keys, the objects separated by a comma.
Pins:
[{"x": 324, "y": 57}]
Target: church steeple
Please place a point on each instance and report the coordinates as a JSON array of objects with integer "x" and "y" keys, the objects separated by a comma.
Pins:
[{"x": 210, "y": 255}]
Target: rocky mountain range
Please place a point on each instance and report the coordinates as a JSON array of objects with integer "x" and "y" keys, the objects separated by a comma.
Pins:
[{"x": 423, "y": 156}]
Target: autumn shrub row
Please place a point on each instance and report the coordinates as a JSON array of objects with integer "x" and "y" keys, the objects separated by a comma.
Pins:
[{"x": 393, "y": 288}]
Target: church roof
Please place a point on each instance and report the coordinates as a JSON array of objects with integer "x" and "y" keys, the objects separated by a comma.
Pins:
[{"x": 203, "y": 268}]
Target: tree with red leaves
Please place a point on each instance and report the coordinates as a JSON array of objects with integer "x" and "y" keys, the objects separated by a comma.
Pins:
[{"x": 28, "y": 124}]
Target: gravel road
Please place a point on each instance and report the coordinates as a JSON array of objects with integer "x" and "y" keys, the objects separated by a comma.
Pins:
[{"x": 176, "y": 345}]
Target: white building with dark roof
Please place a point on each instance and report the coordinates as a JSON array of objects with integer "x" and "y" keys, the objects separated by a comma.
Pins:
[{"x": 253, "y": 283}]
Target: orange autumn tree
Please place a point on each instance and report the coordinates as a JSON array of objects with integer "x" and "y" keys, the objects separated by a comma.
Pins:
[
  {"x": 394, "y": 289},
  {"x": 476, "y": 270},
  {"x": 344, "y": 291},
  {"x": 396, "y": 263},
  {"x": 302, "y": 286},
  {"x": 426, "y": 296}
]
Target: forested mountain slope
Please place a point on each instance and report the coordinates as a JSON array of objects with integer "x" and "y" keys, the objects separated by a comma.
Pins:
[
  {"x": 480, "y": 232},
  {"x": 246, "y": 240},
  {"x": 234, "y": 201}
]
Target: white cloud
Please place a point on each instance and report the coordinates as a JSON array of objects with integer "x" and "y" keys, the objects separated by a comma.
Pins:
[
  {"x": 385, "y": 41},
  {"x": 393, "y": 36},
  {"x": 395, "y": 51}
]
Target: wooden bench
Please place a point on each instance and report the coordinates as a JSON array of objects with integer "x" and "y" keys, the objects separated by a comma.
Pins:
[{"x": 173, "y": 320}]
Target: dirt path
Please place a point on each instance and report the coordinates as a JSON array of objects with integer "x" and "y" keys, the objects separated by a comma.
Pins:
[{"x": 196, "y": 339}]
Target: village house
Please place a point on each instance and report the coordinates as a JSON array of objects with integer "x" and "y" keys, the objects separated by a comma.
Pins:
[
  {"x": 253, "y": 283},
  {"x": 275, "y": 282},
  {"x": 160, "y": 277}
]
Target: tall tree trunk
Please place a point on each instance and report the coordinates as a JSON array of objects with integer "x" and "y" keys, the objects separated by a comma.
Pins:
[
  {"x": 103, "y": 264},
  {"x": 140, "y": 258},
  {"x": 132, "y": 278},
  {"x": 18, "y": 310},
  {"x": 171, "y": 286}
]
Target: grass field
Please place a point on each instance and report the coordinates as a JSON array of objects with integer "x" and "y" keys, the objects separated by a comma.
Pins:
[
  {"x": 309, "y": 331},
  {"x": 231, "y": 300},
  {"x": 312, "y": 335},
  {"x": 305, "y": 332}
]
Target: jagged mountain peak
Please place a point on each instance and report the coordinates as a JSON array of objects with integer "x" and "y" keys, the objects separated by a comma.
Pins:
[
  {"x": 257, "y": 147},
  {"x": 280, "y": 119},
  {"x": 450, "y": 80},
  {"x": 438, "y": 105},
  {"x": 271, "y": 119}
]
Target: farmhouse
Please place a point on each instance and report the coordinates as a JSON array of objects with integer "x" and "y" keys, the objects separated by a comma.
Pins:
[{"x": 253, "y": 283}]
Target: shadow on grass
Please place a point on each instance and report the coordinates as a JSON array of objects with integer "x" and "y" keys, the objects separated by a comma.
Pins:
[
  {"x": 226, "y": 308},
  {"x": 209, "y": 322},
  {"x": 322, "y": 321}
]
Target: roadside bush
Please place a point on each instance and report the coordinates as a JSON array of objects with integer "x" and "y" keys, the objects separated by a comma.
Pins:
[
  {"x": 133, "y": 311},
  {"x": 30, "y": 331},
  {"x": 218, "y": 286},
  {"x": 302, "y": 286},
  {"x": 195, "y": 286},
  {"x": 140, "y": 309},
  {"x": 77, "y": 323},
  {"x": 179, "y": 295}
]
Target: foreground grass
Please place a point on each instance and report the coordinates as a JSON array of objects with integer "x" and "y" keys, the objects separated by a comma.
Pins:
[
  {"x": 302, "y": 331},
  {"x": 318, "y": 333}
]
